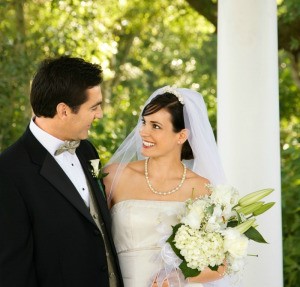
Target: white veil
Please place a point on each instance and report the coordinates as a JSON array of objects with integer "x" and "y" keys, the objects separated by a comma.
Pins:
[{"x": 206, "y": 160}]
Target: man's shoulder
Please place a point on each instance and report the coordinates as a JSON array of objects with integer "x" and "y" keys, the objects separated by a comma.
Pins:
[{"x": 11, "y": 150}]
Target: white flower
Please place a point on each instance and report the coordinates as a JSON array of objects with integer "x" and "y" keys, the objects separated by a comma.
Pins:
[
  {"x": 95, "y": 165},
  {"x": 235, "y": 264},
  {"x": 195, "y": 214},
  {"x": 235, "y": 243},
  {"x": 214, "y": 223},
  {"x": 224, "y": 195},
  {"x": 199, "y": 249}
]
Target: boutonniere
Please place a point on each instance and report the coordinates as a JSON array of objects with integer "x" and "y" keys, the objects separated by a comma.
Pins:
[
  {"x": 98, "y": 173},
  {"x": 96, "y": 169}
]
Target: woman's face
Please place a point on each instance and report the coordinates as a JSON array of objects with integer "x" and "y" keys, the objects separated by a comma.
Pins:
[{"x": 158, "y": 136}]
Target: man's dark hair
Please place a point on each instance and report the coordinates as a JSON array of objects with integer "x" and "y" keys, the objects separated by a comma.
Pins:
[
  {"x": 171, "y": 104},
  {"x": 63, "y": 79}
]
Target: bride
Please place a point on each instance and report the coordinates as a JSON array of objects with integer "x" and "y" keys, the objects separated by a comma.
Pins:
[{"x": 170, "y": 154}]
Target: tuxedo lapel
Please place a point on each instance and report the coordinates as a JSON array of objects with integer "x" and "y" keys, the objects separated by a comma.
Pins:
[
  {"x": 52, "y": 171},
  {"x": 56, "y": 176}
]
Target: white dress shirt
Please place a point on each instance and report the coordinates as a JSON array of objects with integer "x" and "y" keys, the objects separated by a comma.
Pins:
[{"x": 67, "y": 161}]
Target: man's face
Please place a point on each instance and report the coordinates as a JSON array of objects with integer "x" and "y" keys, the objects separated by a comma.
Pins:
[{"x": 79, "y": 123}]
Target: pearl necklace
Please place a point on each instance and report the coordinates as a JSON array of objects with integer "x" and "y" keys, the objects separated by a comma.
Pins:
[{"x": 167, "y": 192}]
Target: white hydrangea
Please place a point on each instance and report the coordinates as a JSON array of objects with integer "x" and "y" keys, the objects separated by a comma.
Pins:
[{"x": 200, "y": 249}]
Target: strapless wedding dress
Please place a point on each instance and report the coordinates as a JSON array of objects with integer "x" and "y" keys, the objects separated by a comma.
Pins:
[{"x": 136, "y": 237}]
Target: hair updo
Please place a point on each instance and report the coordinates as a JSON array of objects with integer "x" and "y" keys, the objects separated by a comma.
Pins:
[{"x": 171, "y": 104}]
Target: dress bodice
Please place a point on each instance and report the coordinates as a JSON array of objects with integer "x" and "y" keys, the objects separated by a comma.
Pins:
[
  {"x": 134, "y": 223},
  {"x": 136, "y": 236}
]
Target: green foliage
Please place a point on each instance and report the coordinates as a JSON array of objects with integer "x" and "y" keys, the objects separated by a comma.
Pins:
[
  {"x": 164, "y": 46},
  {"x": 140, "y": 45},
  {"x": 290, "y": 168},
  {"x": 255, "y": 235},
  {"x": 14, "y": 70},
  {"x": 291, "y": 200}
]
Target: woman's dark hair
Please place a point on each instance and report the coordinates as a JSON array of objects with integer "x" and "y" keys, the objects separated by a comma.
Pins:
[
  {"x": 170, "y": 103},
  {"x": 64, "y": 79}
]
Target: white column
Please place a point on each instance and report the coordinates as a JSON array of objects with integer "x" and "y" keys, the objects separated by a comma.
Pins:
[{"x": 248, "y": 121}]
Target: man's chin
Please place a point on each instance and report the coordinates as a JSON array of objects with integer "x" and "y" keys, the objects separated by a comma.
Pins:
[{"x": 84, "y": 136}]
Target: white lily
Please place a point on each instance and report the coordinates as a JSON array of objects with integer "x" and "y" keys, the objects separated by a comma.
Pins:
[{"x": 95, "y": 165}]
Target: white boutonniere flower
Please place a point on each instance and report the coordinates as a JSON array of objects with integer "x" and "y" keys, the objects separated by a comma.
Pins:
[
  {"x": 97, "y": 173},
  {"x": 96, "y": 169}
]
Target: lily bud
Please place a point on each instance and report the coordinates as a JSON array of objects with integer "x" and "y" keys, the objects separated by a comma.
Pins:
[
  {"x": 263, "y": 208},
  {"x": 254, "y": 196},
  {"x": 243, "y": 227},
  {"x": 248, "y": 209}
]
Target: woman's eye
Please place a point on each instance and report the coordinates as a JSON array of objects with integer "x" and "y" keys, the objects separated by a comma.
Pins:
[
  {"x": 143, "y": 122},
  {"x": 155, "y": 126}
]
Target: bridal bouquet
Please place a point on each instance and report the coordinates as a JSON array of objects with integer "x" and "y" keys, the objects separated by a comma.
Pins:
[{"x": 216, "y": 228}]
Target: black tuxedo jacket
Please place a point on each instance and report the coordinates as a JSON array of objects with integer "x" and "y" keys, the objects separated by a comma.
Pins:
[{"x": 47, "y": 235}]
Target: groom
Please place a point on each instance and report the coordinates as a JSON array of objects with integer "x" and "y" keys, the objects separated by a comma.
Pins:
[{"x": 54, "y": 221}]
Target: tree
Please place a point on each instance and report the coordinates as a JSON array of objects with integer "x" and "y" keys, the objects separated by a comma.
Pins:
[
  {"x": 140, "y": 45},
  {"x": 14, "y": 72}
]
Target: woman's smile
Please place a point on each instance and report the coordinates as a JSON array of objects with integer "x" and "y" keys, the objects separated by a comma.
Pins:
[{"x": 148, "y": 144}]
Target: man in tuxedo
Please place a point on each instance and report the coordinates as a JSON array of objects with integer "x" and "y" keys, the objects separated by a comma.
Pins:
[{"x": 54, "y": 221}]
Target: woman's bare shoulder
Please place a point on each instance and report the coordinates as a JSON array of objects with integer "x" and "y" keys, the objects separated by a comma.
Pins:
[
  {"x": 198, "y": 184},
  {"x": 196, "y": 177},
  {"x": 135, "y": 167},
  {"x": 132, "y": 167},
  {"x": 111, "y": 168}
]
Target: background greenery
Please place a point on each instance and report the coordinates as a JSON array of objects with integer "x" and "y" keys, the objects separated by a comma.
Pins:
[{"x": 143, "y": 45}]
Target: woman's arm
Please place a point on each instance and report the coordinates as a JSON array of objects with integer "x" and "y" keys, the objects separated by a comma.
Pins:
[{"x": 208, "y": 275}]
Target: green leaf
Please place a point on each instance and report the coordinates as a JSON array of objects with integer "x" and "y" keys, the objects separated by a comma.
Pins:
[
  {"x": 254, "y": 235},
  {"x": 214, "y": 268},
  {"x": 170, "y": 240},
  {"x": 210, "y": 209},
  {"x": 102, "y": 174},
  {"x": 187, "y": 271},
  {"x": 233, "y": 223}
]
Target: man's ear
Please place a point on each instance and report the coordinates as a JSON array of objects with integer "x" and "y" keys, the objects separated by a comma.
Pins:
[{"x": 62, "y": 110}]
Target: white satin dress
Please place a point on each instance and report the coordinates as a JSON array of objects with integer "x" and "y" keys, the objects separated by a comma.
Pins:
[{"x": 136, "y": 237}]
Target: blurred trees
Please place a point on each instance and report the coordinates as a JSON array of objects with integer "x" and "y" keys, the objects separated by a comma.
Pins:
[{"x": 143, "y": 45}]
